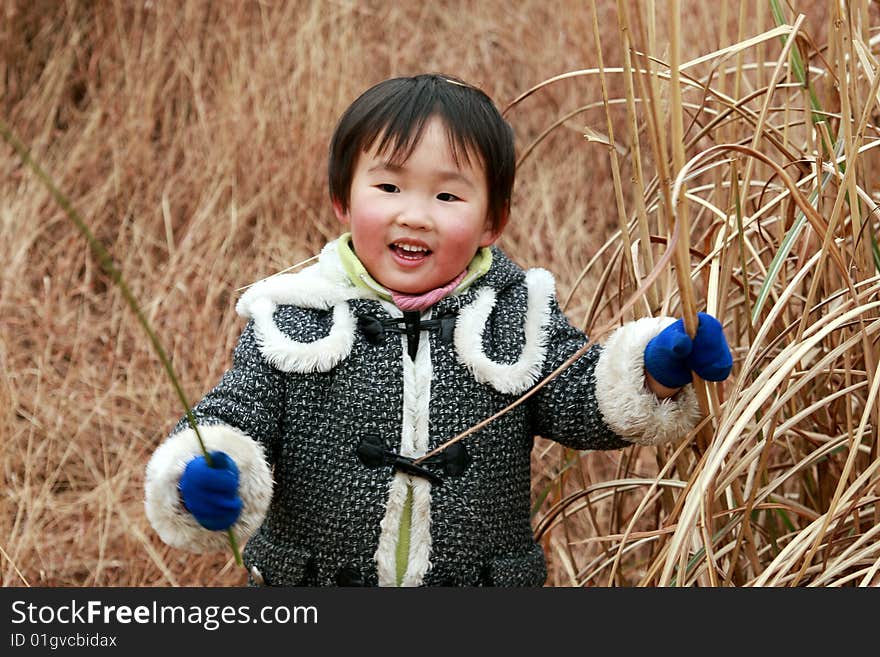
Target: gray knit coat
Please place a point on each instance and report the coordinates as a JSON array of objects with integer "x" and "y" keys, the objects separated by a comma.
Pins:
[{"x": 308, "y": 385}]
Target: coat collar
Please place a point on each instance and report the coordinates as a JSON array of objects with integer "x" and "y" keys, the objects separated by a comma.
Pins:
[
  {"x": 502, "y": 274},
  {"x": 326, "y": 286},
  {"x": 327, "y": 283},
  {"x": 320, "y": 286}
]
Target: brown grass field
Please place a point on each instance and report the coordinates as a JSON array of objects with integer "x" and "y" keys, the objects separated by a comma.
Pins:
[{"x": 720, "y": 161}]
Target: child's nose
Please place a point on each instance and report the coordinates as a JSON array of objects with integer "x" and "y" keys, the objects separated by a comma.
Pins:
[{"x": 415, "y": 214}]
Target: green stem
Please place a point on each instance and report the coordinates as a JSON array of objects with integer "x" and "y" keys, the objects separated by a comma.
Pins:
[
  {"x": 105, "y": 260},
  {"x": 800, "y": 73},
  {"x": 875, "y": 250}
]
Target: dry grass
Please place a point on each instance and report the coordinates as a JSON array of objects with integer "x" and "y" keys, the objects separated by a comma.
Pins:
[{"x": 193, "y": 141}]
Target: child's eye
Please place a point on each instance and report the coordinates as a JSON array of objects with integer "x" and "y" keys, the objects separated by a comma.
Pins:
[
  {"x": 446, "y": 196},
  {"x": 388, "y": 187}
]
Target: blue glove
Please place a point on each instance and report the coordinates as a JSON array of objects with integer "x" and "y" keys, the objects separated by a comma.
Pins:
[
  {"x": 211, "y": 493},
  {"x": 671, "y": 355}
]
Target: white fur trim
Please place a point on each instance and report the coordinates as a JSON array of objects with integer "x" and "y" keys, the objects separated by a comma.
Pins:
[
  {"x": 386, "y": 552},
  {"x": 174, "y": 524},
  {"x": 322, "y": 286},
  {"x": 517, "y": 377},
  {"x": 626, "y": 403},
  {"x": 289, "y": 355},
  {"x": 413, "y": 443}
]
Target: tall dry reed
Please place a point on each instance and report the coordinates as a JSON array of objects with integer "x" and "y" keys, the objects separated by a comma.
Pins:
[{"x": 769, "y": 184}]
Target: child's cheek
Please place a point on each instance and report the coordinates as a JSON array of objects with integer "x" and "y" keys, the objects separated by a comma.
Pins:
[{"x": 372, "y": 220}]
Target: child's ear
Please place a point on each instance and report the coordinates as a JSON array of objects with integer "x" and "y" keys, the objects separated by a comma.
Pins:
[
  {"x": 491, "y": 233},
  {"x": 341, "y": 214}
]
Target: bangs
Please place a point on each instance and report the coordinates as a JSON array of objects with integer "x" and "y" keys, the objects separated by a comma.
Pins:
[{"x": 397, "y": 134}]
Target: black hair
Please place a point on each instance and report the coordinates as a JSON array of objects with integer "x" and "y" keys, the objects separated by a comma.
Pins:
[{"x": 397, "y": 111}]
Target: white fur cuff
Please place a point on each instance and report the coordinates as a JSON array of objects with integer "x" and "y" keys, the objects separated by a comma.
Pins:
[
  {"x": 174, "y": 524},
  {"x": 627, "y": 405}
]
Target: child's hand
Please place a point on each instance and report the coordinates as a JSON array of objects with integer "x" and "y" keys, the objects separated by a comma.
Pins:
[
  {"x": 211, "y": 493},
  {"x": 671, "y": 356}
]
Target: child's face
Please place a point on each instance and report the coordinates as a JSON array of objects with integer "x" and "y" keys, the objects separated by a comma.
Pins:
[{"x": 416, "y": 226}]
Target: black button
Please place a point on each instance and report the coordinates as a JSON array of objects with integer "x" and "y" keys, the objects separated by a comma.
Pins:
[{"x": 349, "y": 576}]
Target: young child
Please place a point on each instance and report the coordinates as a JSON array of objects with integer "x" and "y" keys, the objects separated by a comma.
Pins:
[{"x": 411, "y": 328}]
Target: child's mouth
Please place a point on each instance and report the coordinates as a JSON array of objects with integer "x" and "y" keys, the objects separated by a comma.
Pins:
[{"x": 411, "y": 253}]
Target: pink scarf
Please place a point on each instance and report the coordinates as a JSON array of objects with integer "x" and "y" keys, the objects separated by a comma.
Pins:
[{"x": 427, "y": 299}]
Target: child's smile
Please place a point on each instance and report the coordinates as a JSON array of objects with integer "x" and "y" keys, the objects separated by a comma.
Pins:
[
  {"x": 417, "y": 224},
  {"x": 409, "y": 252}
]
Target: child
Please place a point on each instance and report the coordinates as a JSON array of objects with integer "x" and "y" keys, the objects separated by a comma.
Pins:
[{"x": 411, "y": 328}]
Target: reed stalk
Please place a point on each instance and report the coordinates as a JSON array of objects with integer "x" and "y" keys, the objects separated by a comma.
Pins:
[{"x": 106, "y": 262}]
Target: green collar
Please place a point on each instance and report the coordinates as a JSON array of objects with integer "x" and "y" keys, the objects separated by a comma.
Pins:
[{"x": 360, "y": 277}]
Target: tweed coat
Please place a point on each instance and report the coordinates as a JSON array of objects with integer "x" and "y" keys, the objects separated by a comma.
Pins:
[{"x": 309, "y": 385}]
